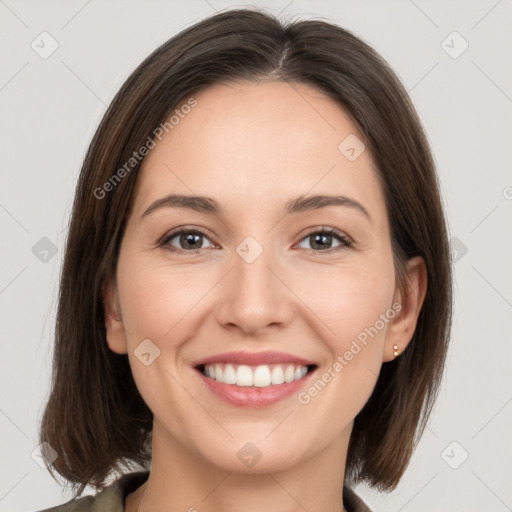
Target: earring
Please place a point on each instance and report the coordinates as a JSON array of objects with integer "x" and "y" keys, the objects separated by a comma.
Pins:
[{"x": 395, "y": 350}]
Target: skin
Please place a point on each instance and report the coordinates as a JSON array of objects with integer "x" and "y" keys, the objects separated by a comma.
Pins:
[{"x": 252, "y": 147}]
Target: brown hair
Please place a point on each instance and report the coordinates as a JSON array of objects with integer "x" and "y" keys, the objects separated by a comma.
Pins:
[{"x": 95, "y": 417}]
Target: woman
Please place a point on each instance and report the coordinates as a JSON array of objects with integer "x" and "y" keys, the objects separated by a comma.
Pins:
[{"x": 255, "y": 303}]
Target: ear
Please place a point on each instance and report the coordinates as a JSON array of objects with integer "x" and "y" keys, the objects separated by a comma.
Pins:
[
  {"x": 402, "y": 326},
  {"x": 116, "y": 338}
]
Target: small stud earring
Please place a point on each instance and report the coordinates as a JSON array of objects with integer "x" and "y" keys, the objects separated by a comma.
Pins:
[{"x": 395, "y": 350}]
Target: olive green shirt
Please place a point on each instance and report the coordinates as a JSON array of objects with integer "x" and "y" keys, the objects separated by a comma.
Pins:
[{"x": 112, "y": 497}]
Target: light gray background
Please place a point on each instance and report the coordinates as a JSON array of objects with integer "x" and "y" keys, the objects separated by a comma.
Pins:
[{"x": 50, "y": 108}]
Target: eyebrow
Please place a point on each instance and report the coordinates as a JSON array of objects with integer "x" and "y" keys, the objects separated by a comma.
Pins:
[{"x": 300, "y": 204}]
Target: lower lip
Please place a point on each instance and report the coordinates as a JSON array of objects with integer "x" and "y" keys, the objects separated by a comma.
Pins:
[{"x": 250, "y": 396}]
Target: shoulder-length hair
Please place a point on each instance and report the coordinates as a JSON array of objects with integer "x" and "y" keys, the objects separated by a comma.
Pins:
[{"x": 95, "y": 418}]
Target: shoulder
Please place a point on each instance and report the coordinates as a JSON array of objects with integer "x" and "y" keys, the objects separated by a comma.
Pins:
[
  {"x": 352, "y": 502},
  {"x": 110, "y": 499},
  {"x": 83, "y": 504}
]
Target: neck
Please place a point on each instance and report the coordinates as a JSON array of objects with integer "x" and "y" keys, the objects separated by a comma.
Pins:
[{"x": 180, "y": 480}]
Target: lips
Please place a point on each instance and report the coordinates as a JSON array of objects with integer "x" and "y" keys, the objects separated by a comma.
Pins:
[
  {"x": 254, "y": 379},
  {"x": 253, "y": 359}
]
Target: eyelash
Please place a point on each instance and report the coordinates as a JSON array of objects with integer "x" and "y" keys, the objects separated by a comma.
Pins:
[{"x": 345, "y": 241}]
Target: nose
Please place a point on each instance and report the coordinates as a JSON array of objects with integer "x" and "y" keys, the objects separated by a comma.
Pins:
[{"x": 256, "y": 298}]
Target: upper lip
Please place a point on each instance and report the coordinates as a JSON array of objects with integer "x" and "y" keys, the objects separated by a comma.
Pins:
[{"x": 253, "y": 358}]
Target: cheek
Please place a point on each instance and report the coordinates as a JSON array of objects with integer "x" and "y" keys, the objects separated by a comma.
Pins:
[
  {"x": 350, "y": 301},
  {"x": 356, "y": 305},
  {"x": 157, "y": 303},
  {"x": 340, "y": 303},
  {"x": 155, "y": 299}
]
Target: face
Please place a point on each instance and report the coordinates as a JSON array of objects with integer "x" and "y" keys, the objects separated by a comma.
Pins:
[{"x": 260, "y": 284}]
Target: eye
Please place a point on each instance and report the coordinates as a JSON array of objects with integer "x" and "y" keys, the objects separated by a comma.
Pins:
[
  {"x": 321, "y": 239},
  {"x": 191, "y": 240},
  {"x": 188, "y": 240}
]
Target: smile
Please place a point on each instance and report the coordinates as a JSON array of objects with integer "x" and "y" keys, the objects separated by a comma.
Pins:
[
  {"x": 261, "y": 376},
  {"x": 255, "y": 380}
]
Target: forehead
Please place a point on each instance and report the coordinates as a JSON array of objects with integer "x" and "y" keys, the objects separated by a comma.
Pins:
[{"x": 261, "y": 142}]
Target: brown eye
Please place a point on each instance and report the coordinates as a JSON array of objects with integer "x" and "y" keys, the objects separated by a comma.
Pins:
[
  {"x": 322, "y": 240},
  {"x": 187, "y": 240}
]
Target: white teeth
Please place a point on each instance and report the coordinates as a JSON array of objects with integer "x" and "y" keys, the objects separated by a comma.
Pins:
[
  {"x": 260, "y": 376},
  {"x": 243, "y": 376},
  {"x": 289, "y": 374},
  {"x": 229, "y": 375},
  {"x": 278, "y": 375},
  {"x": 218, "y": 373}
]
